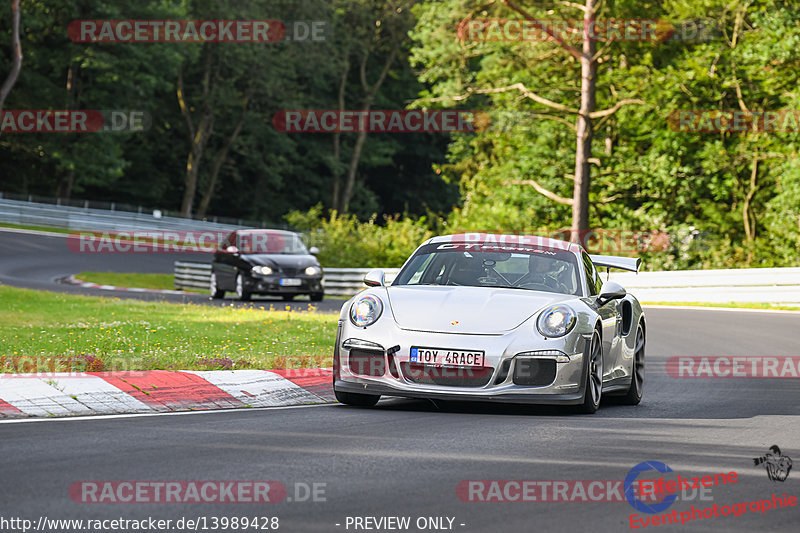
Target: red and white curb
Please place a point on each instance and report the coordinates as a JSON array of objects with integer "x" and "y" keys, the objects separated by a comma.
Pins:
[
  {"x": 92, "y": 393},
  {"x": 70, "y": 280}
]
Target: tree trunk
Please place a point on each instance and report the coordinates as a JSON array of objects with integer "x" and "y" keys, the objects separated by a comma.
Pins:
[
  {"x": 16, "y": 54},
  {"x": 198, "y": 138},
  {"x": 583, "y": 148},
  {"x": 369, "y": 96},
  {"x": 218, "y": 162},
  {"x": 337, "y": 140}
]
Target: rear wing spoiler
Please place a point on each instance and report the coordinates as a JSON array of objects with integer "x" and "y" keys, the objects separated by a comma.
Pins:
[{"x": 612, "y": 261}]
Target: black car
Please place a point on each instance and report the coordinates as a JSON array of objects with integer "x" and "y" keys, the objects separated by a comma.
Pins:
[{"x": 271, "y": 262}]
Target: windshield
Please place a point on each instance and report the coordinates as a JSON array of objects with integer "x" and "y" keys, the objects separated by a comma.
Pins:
[
  {"x": 538, "y": 269},
  {"x": 267, "y": 242}
]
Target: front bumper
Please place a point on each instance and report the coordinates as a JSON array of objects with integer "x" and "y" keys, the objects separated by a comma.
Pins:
[
  {"x": 271, "y": 285},
  {"x": 507, "y": 358}
]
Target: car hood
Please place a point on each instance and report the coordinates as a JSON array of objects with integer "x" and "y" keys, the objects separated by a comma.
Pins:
[
  {"x": 281, "y": 260},
  {"x": 466, "y": 310}
]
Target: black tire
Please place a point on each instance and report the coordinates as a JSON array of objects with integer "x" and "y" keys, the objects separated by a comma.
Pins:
[
  {"x": 316, "y": 296},
  {"x": 287, "y": 297},
  {"x": 213, "y": 288},
  {"x": 241, "y": 291},
  {"x": 634, "y": 394},
  {"x": 593, "y": 390},
  {"x": 356, "y": 399}
]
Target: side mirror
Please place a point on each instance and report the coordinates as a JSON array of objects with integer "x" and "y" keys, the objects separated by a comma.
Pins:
[
  {"x": 611, "y": 291},
  {"x": 313, "y": 250},
  {"x": 231, "y": 250},
  {"x": 375, "y": 278}
]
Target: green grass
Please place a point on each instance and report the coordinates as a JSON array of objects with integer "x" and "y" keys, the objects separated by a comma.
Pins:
[
  {"x": 35, "y": 228},
  {"x": 141, "y": 281},
  {"x": 41, "y": 331},
  {"x": 730, "y": 305}
]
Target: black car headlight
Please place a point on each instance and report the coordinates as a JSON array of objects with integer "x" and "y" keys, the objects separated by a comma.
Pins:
[
  {"x": 365, "y": 311},
  {"x": 263, "y": 270},
  {"x": 313, "y": 271},
  {"x": 556, "y": 321}
]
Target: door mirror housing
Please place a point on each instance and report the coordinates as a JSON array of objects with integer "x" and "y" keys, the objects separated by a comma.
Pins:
[
  {"x": 611, "y": 291},
  {"x": 313, "y": 250},
  {"x": 375, "y": 278},
  {"x": 231, "y": 250}
]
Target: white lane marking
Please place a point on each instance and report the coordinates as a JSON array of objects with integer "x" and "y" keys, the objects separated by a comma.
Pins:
[
  {"x": 258, "y": 388},
  {"x": 34, "y": 232},
  {"x": 729, "y": 309},
  {"x": 168, "y": 413}
]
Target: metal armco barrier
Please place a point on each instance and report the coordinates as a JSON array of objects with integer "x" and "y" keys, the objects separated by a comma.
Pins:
[
  {"x": 338, "y": 281},
  {"x": 190, "y": 275},
  {"x": 349, "y": 281},
  {"x": 89, "y": 219},
  {"x": 745, "y": 285},
  {"x": 753, "y": 285}
]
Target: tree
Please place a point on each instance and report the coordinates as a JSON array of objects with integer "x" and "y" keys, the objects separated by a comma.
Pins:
[{"x": 16, "y": 54}]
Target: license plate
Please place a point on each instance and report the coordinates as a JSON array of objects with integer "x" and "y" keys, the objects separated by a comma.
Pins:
[
  {"x": 290, "y": 282},
  {"x": 445, "y": 357}
]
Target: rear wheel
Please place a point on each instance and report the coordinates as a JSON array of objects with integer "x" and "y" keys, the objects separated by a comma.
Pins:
[
  {"x": 634, "y": 395},
  {"x": 241, "y": 291},
  {"x": 213, "y": 288},
  {"x": 594, "y": 377},
  {"x": 356, "y": 399},
  {"x": 316, "y": 296}
]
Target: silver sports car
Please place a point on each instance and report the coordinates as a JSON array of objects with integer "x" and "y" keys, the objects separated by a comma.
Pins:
[{"x": 506, "y": 318}]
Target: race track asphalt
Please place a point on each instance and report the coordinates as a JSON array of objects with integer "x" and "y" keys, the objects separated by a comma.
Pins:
[
  {"x": 406, "y": 458},
  {"x": 37, "y": 261}
]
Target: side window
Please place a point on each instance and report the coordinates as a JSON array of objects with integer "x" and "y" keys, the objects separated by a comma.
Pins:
[
  {"x": 598, "y": 281},
  {"x": 591, "y": 274}
]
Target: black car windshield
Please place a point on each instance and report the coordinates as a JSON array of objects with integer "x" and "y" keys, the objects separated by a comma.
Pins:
[
  {"x": 267, "y": 242},
  {"x": 534, "y": 268}
]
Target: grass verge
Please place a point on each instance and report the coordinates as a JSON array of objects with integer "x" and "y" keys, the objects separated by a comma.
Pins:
[
  {"x": 141, "y": 281},
  {"x": 43, "y": 331},
  {"x": 730, "y": 305}
]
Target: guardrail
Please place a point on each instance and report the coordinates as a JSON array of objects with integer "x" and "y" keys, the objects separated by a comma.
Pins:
[
  {"x": 91, "y": 219},
  {"x": 337, "y": 281},
  {"x": 750, "y": 285},
  {"x": 191, "y": 275},
  {"x": 754, "y": 285}
]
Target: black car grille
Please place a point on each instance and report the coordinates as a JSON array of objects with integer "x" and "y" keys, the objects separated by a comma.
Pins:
[
  {"x": 292, "y": 271},
  {"x": 448, "y": 376},
  {"x": 367, "y": 362},
  {"x": 534, "y": 372}
]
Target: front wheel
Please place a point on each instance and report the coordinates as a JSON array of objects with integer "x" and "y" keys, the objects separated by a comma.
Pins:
[
  {"x": 288, "y": 297},
  {"x": 356, "y": 399},
  {"x": 241, "y": 291},
  {"x": 634, "y": 395},
  {"x": 214, "y": 289},
  {"x": 316, "y": 296},
  {"x": 594, "y": 377}
]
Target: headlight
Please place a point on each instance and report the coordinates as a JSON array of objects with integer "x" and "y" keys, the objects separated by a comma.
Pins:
[
  {"x": 556, "y": 321},
  {"x": 365, "y": 311},
  {"x": 263, "y": 270},
  {"x": 313, "y": 271}
]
